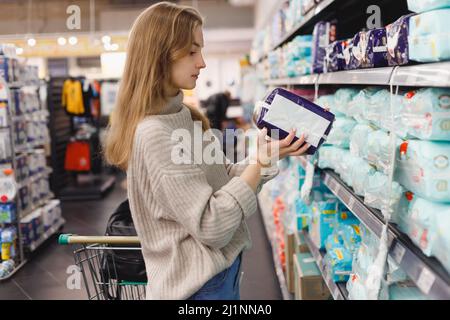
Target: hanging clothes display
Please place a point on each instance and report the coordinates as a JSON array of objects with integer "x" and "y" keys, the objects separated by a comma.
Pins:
[
  {"x": 78, "y": 156},
  {"x": 108, "y": 97},
  {"x": 72, "y": 97}
]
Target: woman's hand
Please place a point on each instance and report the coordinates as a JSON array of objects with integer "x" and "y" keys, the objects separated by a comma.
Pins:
[{"x": 269, "y": 151}]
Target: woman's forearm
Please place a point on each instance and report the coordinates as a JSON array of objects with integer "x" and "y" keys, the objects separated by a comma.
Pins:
[{"x": 252, "y": 175}]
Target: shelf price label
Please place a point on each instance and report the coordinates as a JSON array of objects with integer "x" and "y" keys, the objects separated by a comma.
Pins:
[
  {"x": 398, "y": 253},
  {"x": 426, "y": 280},
  {"x": 351, "y": 203}
]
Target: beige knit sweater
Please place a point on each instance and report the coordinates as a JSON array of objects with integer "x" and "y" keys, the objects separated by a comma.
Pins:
[{"x": 190, "y": 218}]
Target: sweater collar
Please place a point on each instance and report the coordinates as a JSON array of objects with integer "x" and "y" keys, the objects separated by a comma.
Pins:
[{"x": 174, "y": 104}]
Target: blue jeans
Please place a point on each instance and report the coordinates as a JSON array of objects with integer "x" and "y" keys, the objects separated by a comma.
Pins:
[{"x": 223, "y": 286}]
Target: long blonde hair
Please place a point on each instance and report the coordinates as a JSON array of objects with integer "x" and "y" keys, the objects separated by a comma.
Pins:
[{"x": 161, "y": 35}]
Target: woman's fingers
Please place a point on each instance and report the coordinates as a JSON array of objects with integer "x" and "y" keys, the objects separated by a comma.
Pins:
[
  {"x": 300, "y": 151},
  {"x": 262, "y": 136},
  {"x": 287, "y": 141},
  {"x": 297, "y": 144}
]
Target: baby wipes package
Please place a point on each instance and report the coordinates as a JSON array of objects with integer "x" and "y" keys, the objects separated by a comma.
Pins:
[
  {"x": 425, "y": 113},
  {"x": 427, "y": 5},
  {"x": 282, "y": 110},
  {"x": 423, "y": 168}
]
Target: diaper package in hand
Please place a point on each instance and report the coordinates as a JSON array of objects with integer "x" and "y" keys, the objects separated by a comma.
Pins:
[
  {"x": 283, "y": 111},
  {"x": 427, "y": 5},
  {"x": 423, "y": 168},
  {"x": 397, "y": 41},
  {"x": 425, "y": 113}
]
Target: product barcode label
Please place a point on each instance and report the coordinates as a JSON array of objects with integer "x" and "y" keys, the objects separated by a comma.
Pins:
[
  {"x": 426, "y": 280},
  {"x": 398, "y": 253},
  {"x": 351, "y": 203}
]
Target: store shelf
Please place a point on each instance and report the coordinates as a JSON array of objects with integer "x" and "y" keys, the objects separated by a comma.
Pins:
[
  {"x": 34, "y": 245},
  {"x": 428, "y": 74},
  {"x": 305, "y": 21},
  {"x": 36, "y": 206},
  {"x": 35, "y": 177},
  {"x": 265, "y": 205},
  {"x": 427, "y": 273},
  {"x": 303, "y": 80},
  {"x": 375, "y": 76},
  {"x": 338, "y": 290}
]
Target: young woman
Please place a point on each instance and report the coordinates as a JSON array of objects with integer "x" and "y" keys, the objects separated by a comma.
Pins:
[{"x": 190, "y": 218}]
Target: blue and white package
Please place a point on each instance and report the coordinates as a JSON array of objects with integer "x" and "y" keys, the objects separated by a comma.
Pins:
[
  {"x": 335, "y": 60},
  {"x": 360, "y": 51},
  {"x": 7, "y": 212},
  {"x": 340, "y": 134},
  {"x": 423, "y": 168},
  {"x": 431, "y": 22},
  {"x": 322, "y": 221},
  {"x": 427, "y": 5},
  {"x": 339, "y": 264},
  {"x": 425, "y": 113},
  {"x": 329, "y": 157},
  {"x": 303, "y": 212},
  {"x": 351, "y": 237},
  {"x": 441, "y": 246},
  {"x": 358, "y": 140},
  {"x": 345, "y": 165},
  {"x": 359, "y": 175},
  {"x": 334, "y": 240},
  {"x": 376, "y": 193},
  {"x": 379, "y": 151},
  {"x": 359, "y": 105},
  {"x": 344, "y": 216},
  {"x": 429, "y": 48},
  {"x": 286, "y": 110},
  {"x": 343, "y": 97}
]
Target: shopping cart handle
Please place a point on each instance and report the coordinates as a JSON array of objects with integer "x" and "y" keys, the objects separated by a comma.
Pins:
[{"x": 68, "y": 238}]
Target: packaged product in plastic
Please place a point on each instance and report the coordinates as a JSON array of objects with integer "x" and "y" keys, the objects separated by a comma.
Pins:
[
  {"x": 429, "y": 48},
  {"x": 348, "y": 56},
  {"x": 329, "y": 157},
  {"x": 431, "y": 22},
  {"x": 351, "y": 236},
  {"x": 339, "y": 264},
  {"x": 397, "y": 41},
  {"x": 327, "y": 102},
  {"x": 345, "y": 216},
  {"x": 359, "y": 105},
  {"x": 359, "y": 174},
  {"x": 335, "y": 60},
  {"x": 379, "y": 150},
  {"x": 284, "y": 110},
  {"x": 425, "y": 113},
  {"x": 303, "y": 212},
  {"x": 376, "y": 194},
  {"x": 358, "y": 140},
  {"x": 369, "y": 49},
  {"x": 423, "y": 168},
  {"x": 340, "y": 133},
  {"x": 322, "y": 221},
  {"x": 345, "y": 166},
  {"x": 334, "y": 240},
  {"x": 342, "y": 98},
  {"x": 427, "y": 5},
  {"x": 378, "y": 107}
]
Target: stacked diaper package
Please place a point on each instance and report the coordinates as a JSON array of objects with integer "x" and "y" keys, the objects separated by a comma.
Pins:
[
  {"x": 429, "y": 36},
  {"x": 363, "y": 158},
  {"x": 395, "y": 286}
]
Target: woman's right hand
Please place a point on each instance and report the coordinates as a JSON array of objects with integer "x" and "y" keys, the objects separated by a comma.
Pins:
[{"x": 270, "y": 151}]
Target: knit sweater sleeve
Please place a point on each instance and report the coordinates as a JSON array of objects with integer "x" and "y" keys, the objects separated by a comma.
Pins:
[
  {"x": 184, "y": 193},
  {"x": 236, "y": 169}
]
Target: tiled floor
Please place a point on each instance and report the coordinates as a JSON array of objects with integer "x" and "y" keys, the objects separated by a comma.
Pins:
[{"x": 44, "y": 276}]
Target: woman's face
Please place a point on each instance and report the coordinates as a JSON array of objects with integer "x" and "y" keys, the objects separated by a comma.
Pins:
[{"x": 185, "y": 71}]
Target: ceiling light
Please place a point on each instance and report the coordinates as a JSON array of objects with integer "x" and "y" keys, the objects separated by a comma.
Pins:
[
  {"x": 73, "y": 40},
  {"x": 31, "y": 42},
  {"x": 62, "y": 41}
]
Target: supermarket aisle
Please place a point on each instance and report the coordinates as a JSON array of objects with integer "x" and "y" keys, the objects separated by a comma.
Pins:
[{"x": 45, "y": 277}]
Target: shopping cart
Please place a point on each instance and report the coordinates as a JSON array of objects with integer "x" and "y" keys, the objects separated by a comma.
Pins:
[{"x": 95, "y": 259}]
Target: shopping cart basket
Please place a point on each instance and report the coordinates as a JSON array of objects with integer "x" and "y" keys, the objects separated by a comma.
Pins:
[{"x": 95, "y": 259}]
